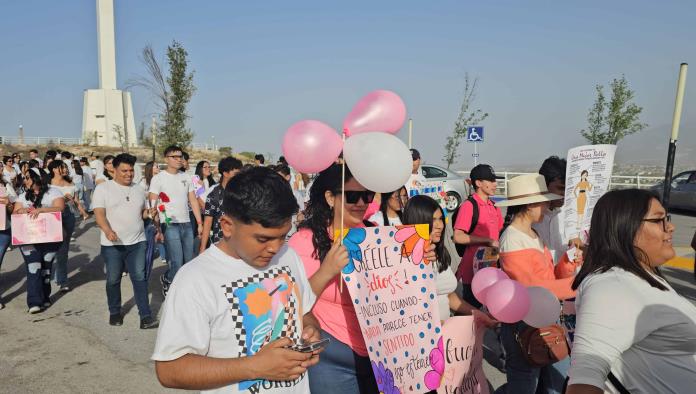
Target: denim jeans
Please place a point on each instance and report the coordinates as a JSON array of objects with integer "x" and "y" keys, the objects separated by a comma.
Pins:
[
  {"x": 178, "y": 239},
  {"x": 133, "y": 257},
  {"x": 5, "y": 239},
  {"x": 60, "y": 269},
  {"x": 523, "y": 378},
  {"x": 39, "y": 260},
  {"x": 341, "y": 371}
]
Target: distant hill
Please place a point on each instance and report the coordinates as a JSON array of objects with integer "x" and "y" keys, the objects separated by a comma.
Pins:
[{"x": 649, "y": 147}]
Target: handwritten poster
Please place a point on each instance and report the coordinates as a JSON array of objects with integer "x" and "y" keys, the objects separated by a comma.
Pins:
[
  {"x": 433, "y": 189},
  {"x": 484, "y": 257},
  {"x": 198, "y": 185},
  {"x": 461, "y": 354},
  {"x": 46, "y": 228},
  {"x": 394, "y": 295},
  {"x": 588, "y": 176}
]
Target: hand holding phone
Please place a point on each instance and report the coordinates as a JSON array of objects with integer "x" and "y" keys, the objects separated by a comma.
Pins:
[{"x": 311, "y": 346}]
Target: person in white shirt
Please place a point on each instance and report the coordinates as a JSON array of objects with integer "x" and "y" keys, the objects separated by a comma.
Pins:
[
  {"x": 119, "y": 208},
  {"x": 416, "y": 180},
  {"x": 233, "y": 312},
  {"x": 390, "y": 207},
  {"x": 88, "y": 182},
  {"x": 107, "y": 170},
  {"x": 34, "y": 155},
  {"x": 175, "y": 193},
  {"x": 96, "y": 165},
  {"x": 38, "y": 198},
  {"x": 9, "y": 174},
  {"x": 634, "y": 332}
]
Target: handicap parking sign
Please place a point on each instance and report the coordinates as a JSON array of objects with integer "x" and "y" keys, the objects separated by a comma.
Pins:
[{"x": 474, "y": 134}]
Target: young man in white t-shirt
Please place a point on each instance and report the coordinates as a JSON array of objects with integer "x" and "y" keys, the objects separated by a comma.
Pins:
[
  {"x": 120, "y": 207},
  {"x": 172, "y": 191},
  {"x": 233, "y": 311}
]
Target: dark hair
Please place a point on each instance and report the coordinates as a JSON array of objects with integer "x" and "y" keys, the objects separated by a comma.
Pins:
[
  {"x": 34, "y": 151},
  {"x": 259, "y": 195},
  {"x": 172, "y": 149},
  {"x": 384, "y": 202},
  {"x": 282, "y": 160},
  {"x": 52, "y": 153},
  {"x": 553, "y": 168},
  {"x": 124, "y": 158},
  {"x": 66, "y": 155},
  {"x": 148, "y": 172},
  {"x": 55, "y": 164},
  {"x": 33, "y": 163},
  {"x": 77, "y": 167},
  {"x": 5, "y": 159},
  {"x": 282, "y": 169},
  {"x": 106, "y": 172},
  {"x": 31, "y": 195},
  {"x": 260, "y": 158},
  {"x": 199, "y": 172},
  {"x": 420, "y": 210},
  {"x": 510, "y": 213},
  {"x": 616, "y": 220},
  {"x": 318, "y": 213},
  {"x": 228, "y": 164},
  {"x": 584, "y": 172},
  {"x": 185, "y": 155}
]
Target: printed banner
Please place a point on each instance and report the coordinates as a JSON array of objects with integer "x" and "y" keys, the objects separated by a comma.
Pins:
[
  {"x": 395, "y": 298},
  {"x": 460, "y": 357},
  {"x": 588, "y": 176},
  {"x": 46, "y": 228},
  {"x": 433, "y": 189}
]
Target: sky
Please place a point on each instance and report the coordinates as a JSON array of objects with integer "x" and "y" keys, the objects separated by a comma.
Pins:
[{"x": 262, "y": 66}]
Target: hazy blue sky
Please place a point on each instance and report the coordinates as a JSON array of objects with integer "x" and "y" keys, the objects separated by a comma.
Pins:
[{"x": 261, "y": 66}]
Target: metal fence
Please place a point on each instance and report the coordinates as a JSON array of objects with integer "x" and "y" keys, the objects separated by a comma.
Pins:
[{"x": 5, "y": 140}]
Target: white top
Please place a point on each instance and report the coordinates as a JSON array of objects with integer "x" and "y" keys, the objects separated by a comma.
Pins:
[
  {"x": 124, "y": 210},
  {"x": 46, "y": 201},
  {"x": 513, "y": 239},
  {"x": 645, "y": 336},
  {"x": 446, "y": 283},
  {"x": 176, "y": 187},
  {"x": 97, "y": 167},
  {"x": 219, "y": 306},
  {"x": 9, "y": 176},
  {"x": 550, "y": 231},
  {"x": 378, "y": 219},
  {"x": 415, "y": 181}
]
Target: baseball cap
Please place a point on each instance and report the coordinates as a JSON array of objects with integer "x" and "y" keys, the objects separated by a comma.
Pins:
[
  {"x": 483, "y": 172},
  {"x": 415, "y": 155}
]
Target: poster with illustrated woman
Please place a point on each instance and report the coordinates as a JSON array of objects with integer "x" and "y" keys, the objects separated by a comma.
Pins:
[{"x": 588, "y": 176}]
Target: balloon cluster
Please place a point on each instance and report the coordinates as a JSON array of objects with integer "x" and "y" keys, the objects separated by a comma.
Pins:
[
  {"x": 378, "y": 160},
  {"x": 509, "y": 301}
]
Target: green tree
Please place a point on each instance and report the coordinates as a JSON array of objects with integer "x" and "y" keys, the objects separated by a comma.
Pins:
[
  {"x": 609, "y": 122},
  {"x": 467, "y": 117}
]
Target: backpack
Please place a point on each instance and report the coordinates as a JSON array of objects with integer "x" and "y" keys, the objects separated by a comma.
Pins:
[{"x": 461, "y": 248}]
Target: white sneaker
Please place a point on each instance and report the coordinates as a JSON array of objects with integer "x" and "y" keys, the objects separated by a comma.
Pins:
[{"x": 34, "y": 309}]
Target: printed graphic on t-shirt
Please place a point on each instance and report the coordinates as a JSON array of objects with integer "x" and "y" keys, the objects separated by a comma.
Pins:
[{"x": 265, "y": 307}]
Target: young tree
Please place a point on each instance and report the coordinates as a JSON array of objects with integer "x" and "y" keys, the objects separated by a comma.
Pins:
[
  {"x": 609, "y": 122},
  {"x": 172, "y": 94},
  {"x": 467, "y": 117}
]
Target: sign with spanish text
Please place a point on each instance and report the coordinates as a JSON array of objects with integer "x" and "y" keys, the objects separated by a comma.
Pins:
[
  {"x": 459, "y": 357},
  {"x": 393, "y": 291},
  {"x": 45, "y": 228}
]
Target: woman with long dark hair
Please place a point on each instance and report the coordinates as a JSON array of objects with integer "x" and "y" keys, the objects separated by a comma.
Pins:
[
  {"x": 108, "y": 173},
  {"x": 425, "y": 210},
  {"x": 61, "y": 181},
  {"x": 390, "y": 208},
  {"x": 38, "y": 198},
  {"x": 205, "y": 174},
  {"x": 344, "y": 366},
  {"x": 633, "y": 329}
]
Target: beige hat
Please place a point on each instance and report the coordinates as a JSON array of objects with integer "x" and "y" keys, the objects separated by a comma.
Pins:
[{"x": 527, "y": 189}]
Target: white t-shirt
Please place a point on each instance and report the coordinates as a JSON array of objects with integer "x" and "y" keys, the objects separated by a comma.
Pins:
[
  {"x": 415, "y": 181},
  {"x": 87, "y": 180},
  {"x": 378, "y": 219},
  {"x": 551, "y": 232},
  {"x": 219, "y": 306},
  {"x": 176, "y": 187},
  {"x": 645, "y": 336},
  {"x": 46, "y": 201},
  {"x": 124, "y": 210},
  {"x": 97, "y": 167},
  {"x": 9, "y": 176},
  {"x": 446, "y": 283}
]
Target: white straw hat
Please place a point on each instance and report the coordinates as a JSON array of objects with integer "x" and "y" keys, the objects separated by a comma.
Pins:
[{"x": 527, "y": 189}]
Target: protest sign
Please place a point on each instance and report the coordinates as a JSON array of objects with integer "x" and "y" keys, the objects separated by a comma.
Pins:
[
  {"x": 395, "y": 298},
  {"x": 45, "y": 228},
  {"x": 432, "y": 189},
  {"x": 461, "y": 353},
  {"x": 588, "y": 176}
]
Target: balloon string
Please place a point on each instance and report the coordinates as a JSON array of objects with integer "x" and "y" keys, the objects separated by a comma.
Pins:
[{"x": 343, "y": 198}]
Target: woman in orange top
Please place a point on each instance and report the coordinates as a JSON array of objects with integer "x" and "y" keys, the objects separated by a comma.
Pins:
[{"x": 526, "y": 259}]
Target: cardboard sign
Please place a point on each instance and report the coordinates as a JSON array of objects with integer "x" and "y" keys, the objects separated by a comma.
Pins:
[
  {"x": 46, "y": 228},
  {"x": 395, "y": 298},
  {"x": 461, "y": 353}
]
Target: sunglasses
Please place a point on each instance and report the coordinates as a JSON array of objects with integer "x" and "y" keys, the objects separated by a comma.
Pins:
[{"x": 352, "y": 196}]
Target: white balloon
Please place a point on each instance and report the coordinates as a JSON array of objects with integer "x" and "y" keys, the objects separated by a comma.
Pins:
[
  {"x": 544, "y": 309},
  {"x": 379, "y": 161}
]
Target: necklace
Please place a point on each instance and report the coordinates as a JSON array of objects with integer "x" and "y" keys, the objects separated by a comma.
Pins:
[{"x": 130, "y": 189}]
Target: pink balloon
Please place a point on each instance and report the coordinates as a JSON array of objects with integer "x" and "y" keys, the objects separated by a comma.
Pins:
[
  {"x": 483, "y": 280},
  {"x": 381, "y": 110},
  {"x": 508, "y": 301},
  {"x": 310, "y": 146}
]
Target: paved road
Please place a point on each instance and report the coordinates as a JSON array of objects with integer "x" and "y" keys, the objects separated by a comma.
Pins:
[{"x": 70, "y": 348}]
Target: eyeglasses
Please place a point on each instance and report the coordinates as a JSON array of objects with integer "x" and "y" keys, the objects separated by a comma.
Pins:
[
  {"x": 352, "y": 196},
  {"x": 176, "y": 157},
  {"x": 400, "y": 198},
  {"x": 663, "y": 220}
]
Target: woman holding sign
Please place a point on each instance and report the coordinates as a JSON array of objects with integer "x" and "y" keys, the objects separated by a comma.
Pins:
[
  {"x": 38, "y": 198},
  {"x": 344, "y": 366}
]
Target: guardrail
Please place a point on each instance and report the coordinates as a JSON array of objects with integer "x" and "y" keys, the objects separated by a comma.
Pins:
[{"x": 6, "y": 140}]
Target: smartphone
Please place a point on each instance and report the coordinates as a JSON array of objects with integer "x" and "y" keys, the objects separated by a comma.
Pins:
[{"x": 310, "y": 347}]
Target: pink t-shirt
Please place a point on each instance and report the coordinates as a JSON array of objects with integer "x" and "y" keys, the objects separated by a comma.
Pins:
[
  {"x": 490, "y": 222},
  {"x": 333, "y": 309},
  {"x": 372, "y": 208}
]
